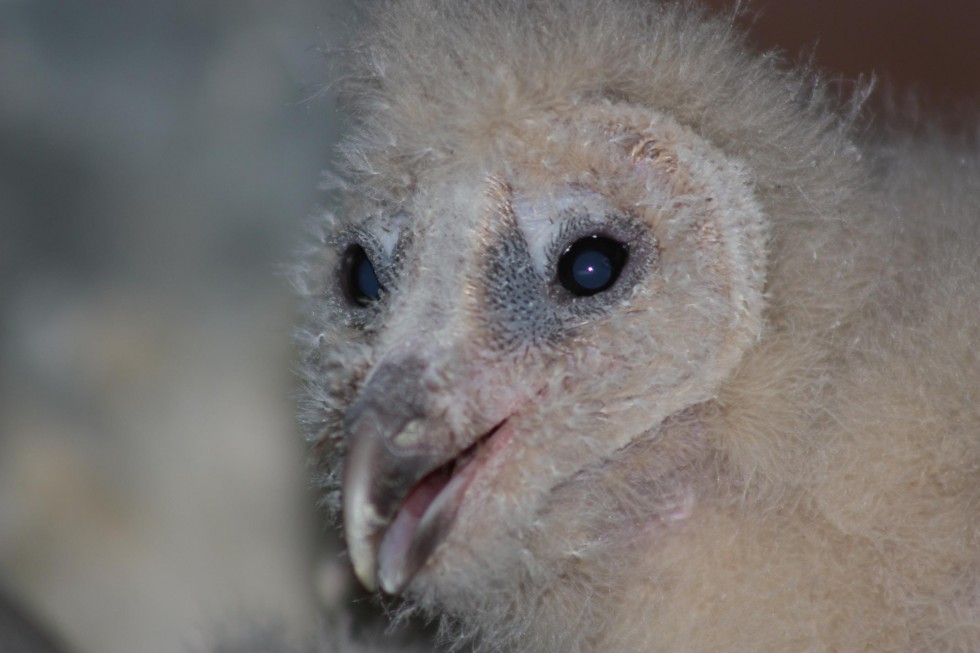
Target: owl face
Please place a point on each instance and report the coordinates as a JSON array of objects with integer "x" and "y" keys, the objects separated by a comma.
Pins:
[{"x": 511, "y": 316}]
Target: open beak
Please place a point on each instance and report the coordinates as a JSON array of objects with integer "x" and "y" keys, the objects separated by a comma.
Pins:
[
  {"x": 377, "y": 480},
  {"x": 404, "y": 478}
]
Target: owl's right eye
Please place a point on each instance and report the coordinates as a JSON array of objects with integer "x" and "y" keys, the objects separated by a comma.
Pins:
[
  {"x": 591, "y": 265},
  {"x": 359, "y": 278}
]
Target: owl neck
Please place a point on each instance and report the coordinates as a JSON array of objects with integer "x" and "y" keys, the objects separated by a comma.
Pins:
[{"x": 591, "y": 548}]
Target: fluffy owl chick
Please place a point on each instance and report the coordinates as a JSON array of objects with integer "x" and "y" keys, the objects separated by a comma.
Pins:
[{"x": 622, "y": 340}]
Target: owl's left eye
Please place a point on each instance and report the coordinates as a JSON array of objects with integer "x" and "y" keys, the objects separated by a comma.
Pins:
[
  {"x": 591, "y": 265},
  {"x": 359, "y": 278}
]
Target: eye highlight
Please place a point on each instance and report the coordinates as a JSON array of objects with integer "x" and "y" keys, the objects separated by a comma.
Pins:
[
  {"x": 359, "y": 278},
  {"x": 591, "y": 265}
]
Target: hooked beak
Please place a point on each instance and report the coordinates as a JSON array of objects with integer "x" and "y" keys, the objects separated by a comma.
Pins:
[
  {"x": 377, "y": 480},
  {"x": 403, "y": 480}
]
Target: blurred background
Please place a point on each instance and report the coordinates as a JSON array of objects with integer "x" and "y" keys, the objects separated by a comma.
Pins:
[{"x": 157, "y": 160}]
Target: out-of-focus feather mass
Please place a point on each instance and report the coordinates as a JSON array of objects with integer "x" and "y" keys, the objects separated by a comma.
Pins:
[{"x": 763, "y": 436}]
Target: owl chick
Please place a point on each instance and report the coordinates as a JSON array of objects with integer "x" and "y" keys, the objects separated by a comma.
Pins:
[{"x": 623, "y": 338}]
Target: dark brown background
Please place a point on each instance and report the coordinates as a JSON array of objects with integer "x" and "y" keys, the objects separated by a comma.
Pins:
[{"x": 929, "y": 51}]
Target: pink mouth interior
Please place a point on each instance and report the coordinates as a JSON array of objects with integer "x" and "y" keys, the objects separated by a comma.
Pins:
[
  {"x": 426, "y": 491},
  {"x": 445, "y": 486}
]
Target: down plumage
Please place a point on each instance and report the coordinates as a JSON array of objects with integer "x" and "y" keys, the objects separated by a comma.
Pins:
[{"x": 622, "y": 338}]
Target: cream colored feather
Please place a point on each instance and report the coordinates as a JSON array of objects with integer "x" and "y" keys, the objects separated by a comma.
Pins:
[{"x": 763, "y": 435}]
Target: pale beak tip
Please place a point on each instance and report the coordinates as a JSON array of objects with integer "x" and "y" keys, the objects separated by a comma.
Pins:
[
  {"x": 364, "y": 570},
  {"x": 361, "y": 545},
  {"x": 392, "y": 581},
  {"x": 361, "y": 520}
]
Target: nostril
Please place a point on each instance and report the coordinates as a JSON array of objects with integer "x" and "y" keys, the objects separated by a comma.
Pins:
[
  {"x": 411, "y": 436},
  {"x": 394, "y": 398}
]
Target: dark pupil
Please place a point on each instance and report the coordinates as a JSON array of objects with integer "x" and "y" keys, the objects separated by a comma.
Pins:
[
  {"x": 361, "y": 281},
  {"x": 591, "y": 265}
]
